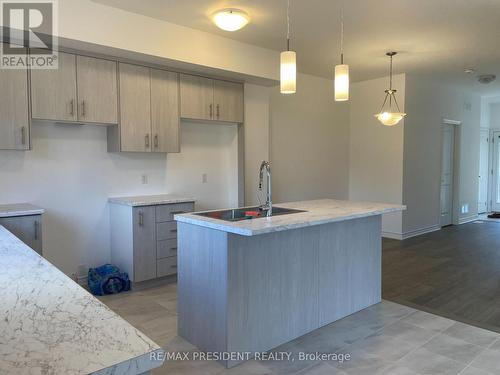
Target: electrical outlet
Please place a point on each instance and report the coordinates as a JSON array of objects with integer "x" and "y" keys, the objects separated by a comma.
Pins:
[
  {"x": 204, "y": 178},
  {"x": 465, "y": 209},
  {"x": 144, "y": 179}
]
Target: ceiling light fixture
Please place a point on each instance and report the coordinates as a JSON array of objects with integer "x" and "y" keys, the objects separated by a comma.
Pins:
[
  {"x": 288, "y": 62},
  {"x": 386, "y": 116},
  {"x": 230, "y": 19},
  {"x": 341, "y": 81}
]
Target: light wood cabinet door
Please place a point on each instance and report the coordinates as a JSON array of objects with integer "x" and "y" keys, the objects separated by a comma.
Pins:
[
  {"x": 14, "y": 114},
  {"x": 97, "y": 90},
  {"x": 53, "y": 91},
  {"x": 144, "y": 233},
  {"x": 165, "y": 120},
  {"x": 27, "y": 228},
  {"x": 197, "y": 97},
  {"x": 135, "y": 108},
  {"x": 228, "y": 101}
]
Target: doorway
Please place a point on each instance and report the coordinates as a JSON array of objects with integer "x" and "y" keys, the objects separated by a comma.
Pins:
[
  {"x": 484, "y": 152},
  {"x": 448, "y": 153},
  {"x": 495, "y": 186}
]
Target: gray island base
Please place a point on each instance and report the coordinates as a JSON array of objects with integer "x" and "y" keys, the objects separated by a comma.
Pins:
[{"x": 284, "y": 277}]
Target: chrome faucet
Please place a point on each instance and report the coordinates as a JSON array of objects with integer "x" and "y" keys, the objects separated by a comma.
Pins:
[{"x": 268, "y": 206}]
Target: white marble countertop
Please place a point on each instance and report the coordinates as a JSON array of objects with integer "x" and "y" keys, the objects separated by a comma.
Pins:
[
  {"x": 51, "y": 325},
  {"x": 150, "y": 200},
  {"x": 19, "y": 209},
  {"x": 318, "y": 212}
]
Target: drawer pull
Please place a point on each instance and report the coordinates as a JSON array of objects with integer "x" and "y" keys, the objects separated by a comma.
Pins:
[
  {"x": 173, "y": 230},
  {"x": 173, "y": 248},
  {"x": 141, "y": 218},
  {"x": 173, "y": 266}
]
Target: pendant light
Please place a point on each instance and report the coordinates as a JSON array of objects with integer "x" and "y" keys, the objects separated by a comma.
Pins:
[
  {"x": 386, "y": 115},
  {"x": 341, "y": 81},
  {"x": 288, "y": 62}
]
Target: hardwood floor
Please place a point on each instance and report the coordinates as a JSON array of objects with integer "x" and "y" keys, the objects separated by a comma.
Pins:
[{"x": 454, "y": 272}]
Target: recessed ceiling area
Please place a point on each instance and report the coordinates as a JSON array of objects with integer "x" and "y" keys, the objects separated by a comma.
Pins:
[{"x": 440, "y": 38}]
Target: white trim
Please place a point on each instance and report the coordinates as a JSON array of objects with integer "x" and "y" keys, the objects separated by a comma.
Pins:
[
  {"x": 451, "y": 122},
  {"x": 410, "y": 234},
  {"x": 468, "y": 219}
]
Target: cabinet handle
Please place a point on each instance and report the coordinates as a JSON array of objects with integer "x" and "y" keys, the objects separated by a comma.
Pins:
[
  {"x": 173, "y": 266},
  {"x": 72, "y": 107},
  {"x": 173, "y": 230},
  {"x": 23, "y": 135},
  {"x": 218, "y": 111},
  {"x": 211, "y": 110},
  {"x": 146, "y": 140},
  {"x": 156, "y": 140},
  {"x": 141, "y": 218},
  {"x": 36, "y": 230},
  {"x": 83, "y": 108},
  {"x": 173, "y": 248}
]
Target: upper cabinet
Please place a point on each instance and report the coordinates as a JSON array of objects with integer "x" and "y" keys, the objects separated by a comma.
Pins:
[
  {"x": 14, "y": 114},
  {"x": 165, "y": 111},
  {"x": 149, "y": 111},
  {"x": 97, "y": 90},
  {"x": 209, "y": 99},
  {"x": 228, "y": 101},
  {"x": 53, "y": 91},
  {"x": 82, "y": 89}
]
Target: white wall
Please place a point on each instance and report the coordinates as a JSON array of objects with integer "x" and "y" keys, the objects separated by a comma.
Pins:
[
  {"x": 309, "y": 142},
  {"x": 427, "y": 103},
  {"x": 494, "y": 115},
  {"x": 70, "y": 173},
  {"x": 376, "y": 151},
  {"x": 256, "y": 136}
]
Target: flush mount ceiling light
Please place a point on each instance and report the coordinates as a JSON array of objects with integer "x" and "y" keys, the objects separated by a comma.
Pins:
[
  {"x": 230, "y": 19},
  {"x": 387, "y": 116},
  {"x": 341, "y": 81},
  {"x": 288, "y": 62}
]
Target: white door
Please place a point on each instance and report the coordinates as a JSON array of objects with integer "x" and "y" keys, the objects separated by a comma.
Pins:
[
  {"x": 495, "y": 193},
  {"x": 448, "y": 138},
  {"x": 484, "y": 151}
]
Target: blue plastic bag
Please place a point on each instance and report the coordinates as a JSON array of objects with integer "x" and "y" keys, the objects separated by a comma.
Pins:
[{"x": 107, "y": 279}]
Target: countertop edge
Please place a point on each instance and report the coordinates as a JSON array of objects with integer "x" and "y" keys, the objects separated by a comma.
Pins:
[
  {"x": 195, "y": 220},
  {"x": 120, "y": 201},
  {"x": 39, "y": 211}
]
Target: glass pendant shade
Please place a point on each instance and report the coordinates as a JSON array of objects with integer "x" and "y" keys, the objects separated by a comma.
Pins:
[
  {"x": 388, "y": 115},
  {"x": 288, "y": 72},
  {"x": 341, "y": 83}
]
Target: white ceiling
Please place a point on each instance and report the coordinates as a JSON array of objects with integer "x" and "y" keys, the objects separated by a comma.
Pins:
[{"x": 433, "y": 37}]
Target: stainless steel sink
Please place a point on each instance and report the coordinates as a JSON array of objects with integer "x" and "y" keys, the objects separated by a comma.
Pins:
[{"x": 247, "y": 213}]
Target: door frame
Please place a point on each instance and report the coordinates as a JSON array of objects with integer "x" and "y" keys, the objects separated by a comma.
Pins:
[
  {"x": 491, "y": 167},
  {"x": 457, "y": 129},
  {"x": 489, "y": 183}
]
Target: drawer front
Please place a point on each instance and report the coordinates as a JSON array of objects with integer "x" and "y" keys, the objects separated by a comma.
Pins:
[
  {"x": 166, "y": 212},
  {"x": 166, "y": 266},
  {"x": 166, "y": 248},
  {"x": 166, "y": 231}
]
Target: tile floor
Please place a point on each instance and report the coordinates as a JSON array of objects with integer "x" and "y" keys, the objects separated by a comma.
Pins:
[{"x": 387, "y": 338}]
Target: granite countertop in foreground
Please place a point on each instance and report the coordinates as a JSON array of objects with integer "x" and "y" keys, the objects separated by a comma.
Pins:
[
  {"x": 51, "y": 325},
  {"x": 150, "y": 200},
  {"x": 19, "y": 209},
  {"x": 318, "y": 212}
]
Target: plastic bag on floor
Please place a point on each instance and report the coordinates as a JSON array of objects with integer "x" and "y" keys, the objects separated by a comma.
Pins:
[{"x": 108, "y": 279}]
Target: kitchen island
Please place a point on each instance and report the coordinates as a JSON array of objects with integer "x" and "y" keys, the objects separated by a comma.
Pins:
[
  {"x": 51, "y": 325},
  {"x": 248, "y": 286}
]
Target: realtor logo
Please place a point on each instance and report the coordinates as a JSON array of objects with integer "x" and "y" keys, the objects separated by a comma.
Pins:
[{"x": 29, "y": 33}]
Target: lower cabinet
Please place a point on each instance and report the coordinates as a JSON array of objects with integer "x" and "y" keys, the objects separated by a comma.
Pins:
[
  {"x": 144, "y": 239},
  {"x": 27, "y": 228}
]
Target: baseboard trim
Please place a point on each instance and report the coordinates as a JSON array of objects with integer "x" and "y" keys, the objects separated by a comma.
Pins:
[
  {"x": 468, "y": 219},
  {"x": 410, "y": 234}
]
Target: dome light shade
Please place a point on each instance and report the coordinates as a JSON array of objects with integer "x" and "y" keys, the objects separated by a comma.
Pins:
[
  {"x": 288, "y": 72},
  {"x": 341, "y": 83},
  {"x": 230, "y": 19},
  {"x": 390, "y": 119}
]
